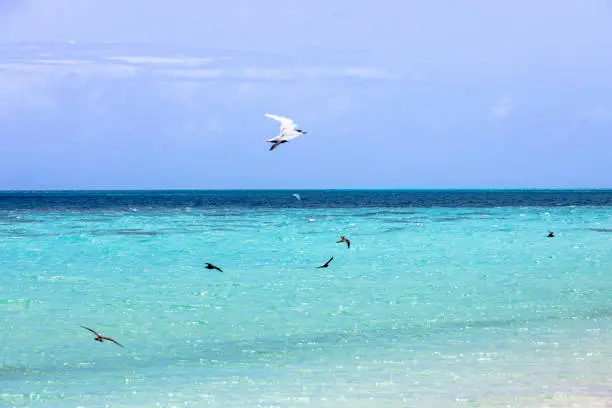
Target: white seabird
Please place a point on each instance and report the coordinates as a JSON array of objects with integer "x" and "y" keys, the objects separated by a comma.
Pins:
[{"x": 288, "y": 130}]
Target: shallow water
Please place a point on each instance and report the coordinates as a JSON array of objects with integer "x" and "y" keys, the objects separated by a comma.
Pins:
[{"x": 433, "y": 305}]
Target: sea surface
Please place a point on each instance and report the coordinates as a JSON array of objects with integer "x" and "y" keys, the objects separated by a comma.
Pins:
[{"x": 444, "y": 299}]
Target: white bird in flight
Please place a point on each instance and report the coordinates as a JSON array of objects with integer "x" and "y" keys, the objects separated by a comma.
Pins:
[{"x": 288, "y": 131}]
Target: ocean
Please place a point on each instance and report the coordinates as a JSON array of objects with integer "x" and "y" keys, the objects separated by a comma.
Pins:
[{"x": 449, "y": 298}]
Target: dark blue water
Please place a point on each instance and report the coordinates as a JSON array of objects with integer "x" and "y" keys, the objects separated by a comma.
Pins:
[{"x": 121, "y": 200}]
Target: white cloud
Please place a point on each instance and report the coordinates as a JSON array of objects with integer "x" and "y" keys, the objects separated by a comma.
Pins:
[
  {"x": 59, "y": 70},
  {"x": 502, "y": 108},
  {"x": 192, "y": 73},
  {"x": 180, "y": 68},
  {"x": 60, "y": 62},
  {"x": 367, "y": 73},
  {"x": 146, "y": 60},
  {"x": 27, "y": 81},
  {"x": 26, "y": 84},
  {"x": 273, "y": 74}
]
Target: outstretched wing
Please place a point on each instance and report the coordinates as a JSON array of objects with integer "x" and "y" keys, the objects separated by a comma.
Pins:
[
  {"x": 285, "y": 123},
  {"x": 211, "y": 266},
  {"x": 93, "y": 331},
  {"x": 330, "y": 259},
  {"x": 113, "y": 340}
]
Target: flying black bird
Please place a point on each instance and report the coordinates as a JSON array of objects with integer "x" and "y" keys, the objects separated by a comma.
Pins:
[
  {"x": 343, "y": 239},
  {"x": 101, "y": 338},
  {"x": 326, "y": 264},
  {"x": 211, "y": 266},
  {"x": 550, "y": 234}
]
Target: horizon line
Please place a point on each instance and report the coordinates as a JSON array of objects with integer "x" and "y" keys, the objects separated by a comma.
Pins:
[{"x": 20, "y": 190}]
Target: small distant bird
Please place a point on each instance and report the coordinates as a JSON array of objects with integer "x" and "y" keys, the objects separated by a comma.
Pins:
[
  {"x": 343, "y": 239},
  {"x": 297, "y": 197},
  {"x": 211, "y": 266},
  {"x": 101, "y": 338},
  {"x": 326, "y": 264},
  {"x": 550, "y": 234},
  {"x": 288, "y": 131}
]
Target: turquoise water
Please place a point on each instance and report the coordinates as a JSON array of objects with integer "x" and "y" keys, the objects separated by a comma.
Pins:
[{"x": 432, "y": 306}]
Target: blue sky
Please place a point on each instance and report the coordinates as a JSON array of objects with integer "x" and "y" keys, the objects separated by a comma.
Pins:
[{"x": 393, "y": 94}]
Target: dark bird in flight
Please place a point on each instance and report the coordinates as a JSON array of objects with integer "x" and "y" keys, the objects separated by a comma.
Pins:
[
  {"x": 101, "y": 338},
  {"x": 550, "y": 234},
  {"x": 326, "y": 264},
  {"x": 211, "y": 266},
  {"x": 343, "y": 239}
]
